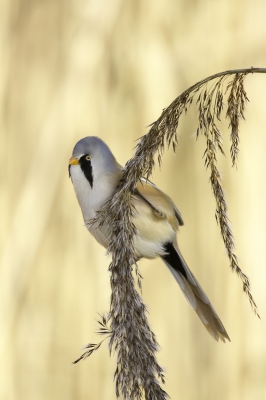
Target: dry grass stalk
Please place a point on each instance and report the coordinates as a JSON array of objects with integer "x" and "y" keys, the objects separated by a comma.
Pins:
[{"x": 138, "y": 373}]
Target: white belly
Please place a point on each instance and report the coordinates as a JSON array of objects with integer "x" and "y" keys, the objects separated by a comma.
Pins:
[{"x": 152, "y": 232}]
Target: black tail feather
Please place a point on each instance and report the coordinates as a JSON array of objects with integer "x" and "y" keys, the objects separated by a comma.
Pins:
[{"x": 193, "y": 292}]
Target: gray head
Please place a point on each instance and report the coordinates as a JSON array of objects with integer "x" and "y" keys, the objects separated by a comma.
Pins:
[
  {"x": 94, "y": 157},
  {"x": 93, "y": 146}
]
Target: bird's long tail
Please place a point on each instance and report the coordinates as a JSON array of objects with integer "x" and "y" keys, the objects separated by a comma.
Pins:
[{"x": 194, "y": 293}]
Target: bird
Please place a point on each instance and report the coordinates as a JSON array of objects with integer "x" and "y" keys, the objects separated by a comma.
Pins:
[{"x": 95, "y": 175}]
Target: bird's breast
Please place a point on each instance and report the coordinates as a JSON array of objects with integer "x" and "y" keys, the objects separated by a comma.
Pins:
[{"x": 90, "y": 198}]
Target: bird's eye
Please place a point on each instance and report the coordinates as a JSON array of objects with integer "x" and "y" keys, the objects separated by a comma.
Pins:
[{"x": 88, "y": 158}]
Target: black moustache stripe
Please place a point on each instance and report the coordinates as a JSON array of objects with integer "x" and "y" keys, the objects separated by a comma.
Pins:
[{"x": 86, "y": 167}]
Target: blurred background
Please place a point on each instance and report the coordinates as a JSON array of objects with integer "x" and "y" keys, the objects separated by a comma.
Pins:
[{"x": 107, "y": 68}]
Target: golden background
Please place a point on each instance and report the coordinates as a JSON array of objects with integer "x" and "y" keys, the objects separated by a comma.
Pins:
[{"x": 107, "y": 68}]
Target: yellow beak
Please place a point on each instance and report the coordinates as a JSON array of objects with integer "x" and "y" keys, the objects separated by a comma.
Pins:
[{"x": 73, "y": 161}]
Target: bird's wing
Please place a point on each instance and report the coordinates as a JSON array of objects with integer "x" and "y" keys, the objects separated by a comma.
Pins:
[{"x": 161, "y": 204}]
